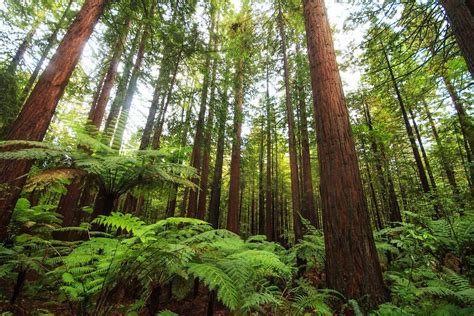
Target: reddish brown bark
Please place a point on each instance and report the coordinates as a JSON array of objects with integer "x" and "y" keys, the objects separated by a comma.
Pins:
[
  {"x": 201, "y": 210},
  {"x": 111, "y": 121},
  {"x": 233, "y": 215},
  {"x": 196, "y": 155},
  {"x": 165, "y": 101},
  {"x": 295, "y": 186},
  {"x": 155, "y": 102},
  {"x": 51, "y": 41},
  {"x": 308, "y": 206},
  {"x": 269, "y": 205},
  {"x": 68, "y": 205},
  {"x": 352, "y": 264},
  {"x": 131, "y": 89},
  {"x": 97, "y": 113},
  {"x": 461, "y": 19},
  {"x": 215, "y": 200},
  {"x": 261, "y": 191},
  {"x": 43, "y": 101},
  {"x": 69, "y": 202}
]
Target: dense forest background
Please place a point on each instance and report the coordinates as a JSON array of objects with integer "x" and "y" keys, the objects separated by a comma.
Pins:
[{"x": 204, "y": 157}]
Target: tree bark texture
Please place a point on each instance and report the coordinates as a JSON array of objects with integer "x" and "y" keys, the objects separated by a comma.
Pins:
[
  {"x": 461, "y": 19},
  {"x": 295, "y": 186},
  {"x": 233, "y": 215},
  {"x": 214, "y": 203},
  {"x": 51, "y": 42},
  {"x": 97, "y": 114},
  {"x": 352, "y": 264},
  {"x": 43, "y": 101}
]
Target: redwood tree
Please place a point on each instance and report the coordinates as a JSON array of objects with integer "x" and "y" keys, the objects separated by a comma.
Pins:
[
  {"x": 96, "y": 114},
  {"x": 461, "y": 17},
  {"x": 42, "y": 103},
  {"x": 295, "y": 183},
  {"x": 352, "y": 264},
  {"x": 233, "y": 216}
]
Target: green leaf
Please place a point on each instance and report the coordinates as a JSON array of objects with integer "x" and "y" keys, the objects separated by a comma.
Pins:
[{"x": 68, "y": 277}]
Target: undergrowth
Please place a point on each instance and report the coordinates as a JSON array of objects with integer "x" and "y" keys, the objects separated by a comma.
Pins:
[{"x": 427, "y": 267}]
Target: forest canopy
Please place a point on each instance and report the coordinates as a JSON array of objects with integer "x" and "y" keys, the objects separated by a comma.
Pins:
[{"x": 236, "y": 157}]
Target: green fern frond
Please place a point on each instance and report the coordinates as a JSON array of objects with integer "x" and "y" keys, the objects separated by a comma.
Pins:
[
  {"x": 117, "y": 220},
  {"x": 216, "y": 279}
]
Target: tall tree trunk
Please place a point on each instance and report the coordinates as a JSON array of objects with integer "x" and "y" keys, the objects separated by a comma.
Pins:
[
  {"x": 42, "y": 103},
  {"x": 352, "y": 265},
  {"x": 111, "y": 121},
  {"x": 423, "y": 151},
  {"x": 234, "y": 203},
  {"x": 463, "y": 161},
  {"x": 156, "y": 143},
  {"x": 25, "y": 44},
  {"x": 201, "y": 209},
  {"x": 96, "y": 114},
  {"x": 448, "y": 168},
  {"x": 155, "y": 103},
  {"x": 196, "y": 155},
  {"x": 253, "y": 210},
  {"x": 461, "y": 19},
  {"x": 131, "y": 89},
  {"x": 395, "y": 215},
  {"x": 49, "y": 45},
  {"x": 419, "y": 164},
  {"x": 387, "y": 188},
  {"x": 9, "y": 105},
  {"x": 467, "y": 127},
  {"x": 68, "y": 205},
  {"x": 261, "y": 193},
  {"x": 184, "y": 138},
  {"x": 309, "y": 207},
  {"x": 295, "y": 186},
  {"x": 373, "y": 196},
  {"x": 434, "y": 187},
  {"x": 269, "y": 205},
  {"x": 214, "y": 203}
]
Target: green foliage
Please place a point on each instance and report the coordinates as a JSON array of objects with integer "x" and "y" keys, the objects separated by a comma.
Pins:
[
  {"x": 311, "y": 248},
  {"x": 172, "y": 251},
  {"x": 30, "y": 230},
  {"x": 113, "y": 172},
  {"x": 422, "y": 257},
  {"x": 307, "y": 298}
]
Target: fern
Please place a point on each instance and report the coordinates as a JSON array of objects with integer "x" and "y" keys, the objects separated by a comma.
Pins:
[{"x": 215, "y": 278}]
